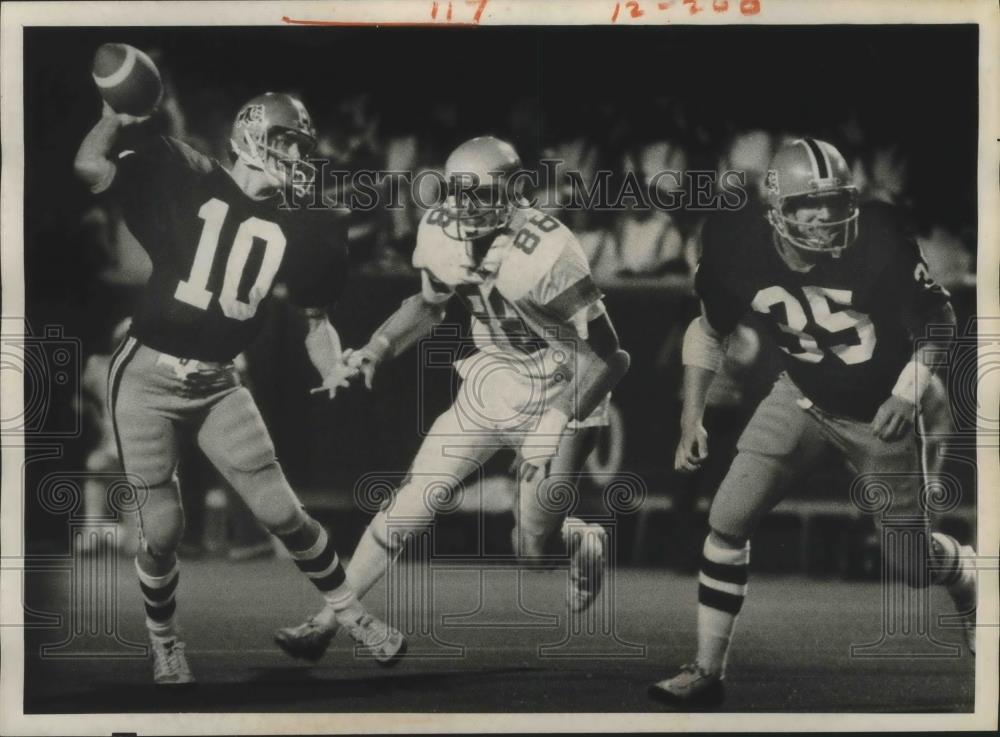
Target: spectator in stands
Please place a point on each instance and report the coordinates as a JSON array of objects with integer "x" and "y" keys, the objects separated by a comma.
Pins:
[
  {"x": 750, "y": 153},
  {"x": 596, "y": 234},
  {"x": 949, "y": 257},
  {"x": 650, "y": 241},
  {"x": 886, "y": 176}
]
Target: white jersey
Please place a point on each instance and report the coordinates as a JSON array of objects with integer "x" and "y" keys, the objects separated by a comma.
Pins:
[{"x": 531, "y": 296}]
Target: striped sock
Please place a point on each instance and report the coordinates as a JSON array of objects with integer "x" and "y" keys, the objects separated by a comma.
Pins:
[
  {"x": 321, "y": 564},
  {"x": 158, "y": 597},
  {"x": 722, "y": 586}
]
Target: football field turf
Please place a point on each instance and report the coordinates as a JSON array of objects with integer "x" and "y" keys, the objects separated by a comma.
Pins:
[{"x": 481, "y": 650}]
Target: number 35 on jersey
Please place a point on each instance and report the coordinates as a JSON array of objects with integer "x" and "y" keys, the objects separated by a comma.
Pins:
[{"x": 852, "y": 334}]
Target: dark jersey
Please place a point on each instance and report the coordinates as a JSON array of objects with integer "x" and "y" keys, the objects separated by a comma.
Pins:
[
  {"x": 217, "y": 253},
  {"x": 845, "y": 325}
]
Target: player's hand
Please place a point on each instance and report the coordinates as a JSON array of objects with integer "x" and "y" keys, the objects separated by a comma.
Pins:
[
  {"x": 364, "y": 361},
  {"x": 542, "y": 443},
  {"x": 124, "y": 119},
  {"x": 894, "y": 419},
  {"x": 692, "y": 450},
  {"x": 339, "y": 377}
]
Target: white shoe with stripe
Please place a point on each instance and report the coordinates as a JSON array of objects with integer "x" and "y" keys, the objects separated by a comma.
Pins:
[{"x": 170, "y": 666}]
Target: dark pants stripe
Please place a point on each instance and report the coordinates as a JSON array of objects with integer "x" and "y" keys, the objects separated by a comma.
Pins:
[{"x": 129, "y": 347}]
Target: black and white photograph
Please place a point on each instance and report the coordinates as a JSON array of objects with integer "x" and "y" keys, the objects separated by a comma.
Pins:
[{"x": 466, "y": 365}]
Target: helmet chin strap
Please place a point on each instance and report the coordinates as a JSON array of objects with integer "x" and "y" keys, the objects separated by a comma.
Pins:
[{"x": 780, "y": 226}]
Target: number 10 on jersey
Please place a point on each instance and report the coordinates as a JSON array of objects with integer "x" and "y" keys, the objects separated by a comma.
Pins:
[{"x": 194, "y": 290}]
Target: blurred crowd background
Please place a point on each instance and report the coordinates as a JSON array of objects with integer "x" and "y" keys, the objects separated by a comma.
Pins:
[{"x": 899, "y": 102}]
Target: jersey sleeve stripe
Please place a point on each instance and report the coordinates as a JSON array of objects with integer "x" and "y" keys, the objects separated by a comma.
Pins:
[{"x": 574, "y": 298}]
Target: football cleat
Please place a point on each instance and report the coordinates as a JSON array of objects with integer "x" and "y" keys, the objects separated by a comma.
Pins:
[
  {"x": 963, "y": 594},
  {"x": 170, "y": 666},
  {"x": 310, "y": 640},
  {"x": 386, "y": 644},
  {"x": 691, "y": 689},
  {"x": 586, "y": 562}
]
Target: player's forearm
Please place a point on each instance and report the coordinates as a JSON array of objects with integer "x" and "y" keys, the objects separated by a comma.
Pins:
[
  {"x": 93, "y": 163},
  {"x": 702, "y": 354},
  {"x": 322, "y": 342},
  {"x": 600, "y": 365},
  {"x": 697, "y": 382},
  {"x": 414, "y": 319},
  {"x": 595, "y": 377},
  {"x": 934, "y": 334}
]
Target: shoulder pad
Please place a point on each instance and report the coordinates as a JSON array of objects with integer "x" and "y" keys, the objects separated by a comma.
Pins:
[
  {"x": 444, "y": 257},
  {"x": 537, "y": 247},
  {"x": 187, "y": 156},
  {"x": 732, "y": 242},
  {"x": 884, "y": 234},
  {"x": 429, "y": 236}
]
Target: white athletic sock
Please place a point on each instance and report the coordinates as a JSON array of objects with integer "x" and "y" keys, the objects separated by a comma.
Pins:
[{"x": 722, "y": 586}]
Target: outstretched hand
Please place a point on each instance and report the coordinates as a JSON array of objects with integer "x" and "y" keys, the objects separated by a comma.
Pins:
[
  {"x": 339, "y": 377},
  {"x": 363, "y": 361}
]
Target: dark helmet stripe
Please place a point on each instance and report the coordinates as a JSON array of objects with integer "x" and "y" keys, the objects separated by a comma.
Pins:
[{"x": 822, "y": 170}]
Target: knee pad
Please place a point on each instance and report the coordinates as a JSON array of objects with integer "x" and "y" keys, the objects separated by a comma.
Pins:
[
  {"x": 161, "y": 522},
  {"x": 255, "y": 456},
  {"x": 295, "y": 520},
  {"x": 300, "y": 534},
  {"x": 724, "y": 539},
  {"x": 268, "y": 495},
  {"x": 728, "y": 523}
]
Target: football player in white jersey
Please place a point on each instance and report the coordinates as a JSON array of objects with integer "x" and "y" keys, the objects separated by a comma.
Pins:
[{"x": 547, "y": 360}]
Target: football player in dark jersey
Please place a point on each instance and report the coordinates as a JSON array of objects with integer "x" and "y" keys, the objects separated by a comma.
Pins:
[
  {"x": 219, "y": 238},
  {"x": 844, "y": 292}
]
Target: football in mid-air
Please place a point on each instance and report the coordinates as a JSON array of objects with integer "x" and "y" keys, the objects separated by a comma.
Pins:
[{"x": 127, "y": 79}]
